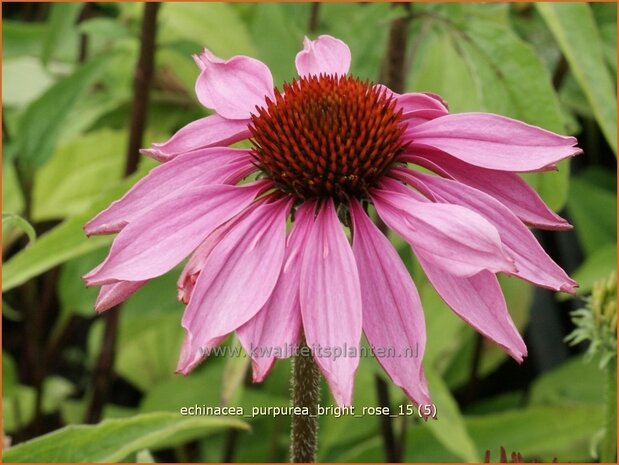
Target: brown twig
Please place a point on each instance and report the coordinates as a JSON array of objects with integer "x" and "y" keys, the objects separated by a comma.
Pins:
[
  {"x": 393, "y": 73},
  {"x": 141, "y": 84},
  {"x": 312, "y": 25},
  {"x": 386, "y": 425}
]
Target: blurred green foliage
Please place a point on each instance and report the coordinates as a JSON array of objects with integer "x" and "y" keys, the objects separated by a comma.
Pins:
[{"x": 67, "y": 80}]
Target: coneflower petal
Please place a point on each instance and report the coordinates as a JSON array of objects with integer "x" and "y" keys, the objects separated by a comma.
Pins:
[
  {"x": 217, "y": 165},
  {"x": 277, "y": 326},
  {"x": 205, "y": 132},
  {"x": 325, "y": 55},
  {"x": 532, "y": 262},
  {"x": 113, "y": 294},
  {"x": 493, "y": 141},
  {"x": 330, "y": 297},
  {"x": 393, "y": 319},
  {"x": 459, "y": 240},
  {"x": 508, "y": 188},
  {"x": 233, "y": 87},
  {"x": 236, "y": 281},
  {"x": 155, "y": 243},
  {"x": 479, "y": 301}
]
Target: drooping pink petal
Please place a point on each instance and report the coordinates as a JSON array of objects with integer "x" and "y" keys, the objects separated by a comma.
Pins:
[
  {"x": 236, "y": 281},
  {"x": 325, "y": 55},
  {"x": 276, "y": 328},
  {"x": 532, "y": 262},
  {"x": 111, "y": 295},
  {"x": 189, "y": 276},
  {"x": 392, "y": 312},
  {"x": 509, "y": 188},
  {"x": 330, "y": 297},
  {"x": 205, "y": 132},
  {"x": 207, "y": 166},
  {"x": 155, "y": 243},
  {"x": 233, "y": 87},
  {"x": 493, "y": 141},
  {"x": 479, "y": 301},
  {"x": 459, "y": 240}
]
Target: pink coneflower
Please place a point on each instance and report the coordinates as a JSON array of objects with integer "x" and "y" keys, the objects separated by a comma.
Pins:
[{"x": 324, "y": 149}]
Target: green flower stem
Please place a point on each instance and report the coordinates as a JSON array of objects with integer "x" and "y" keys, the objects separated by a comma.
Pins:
[
  {"x": 305, "y": 387},
  {"x": 609, "y": 445}
]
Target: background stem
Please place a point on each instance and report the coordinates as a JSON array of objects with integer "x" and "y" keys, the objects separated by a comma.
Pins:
[{"x": 305, "y": 393}]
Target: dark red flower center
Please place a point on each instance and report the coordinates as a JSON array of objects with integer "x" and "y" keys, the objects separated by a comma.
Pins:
[{"x": 327, "y": 136}]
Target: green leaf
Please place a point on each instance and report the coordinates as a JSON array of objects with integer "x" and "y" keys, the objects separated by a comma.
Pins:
[
  {"x": 598, "y": 265},
  {"x": 576, "y": 32},
  {"x": 213, "y": 25},
  {"x": 114, "y": 440},
  {"x": 519, "y": 87},
  {"x": 12, "y": 219},
  {"x": 593, "y": 210},
  {"x": 541, "y": 433},
  {"x": 77, "y": 173},
  {"x": 435, "y": 55},
  {"x": 9, "y": 374},
  {"x": 449, "y": 427},
  {"x": 575, "y": 382},
  {"x": 62, "y": 243},
  {"x": 60, "y": 22},
  {"x": 23, "y": 80},
  {"x": 43, "y": 120}
]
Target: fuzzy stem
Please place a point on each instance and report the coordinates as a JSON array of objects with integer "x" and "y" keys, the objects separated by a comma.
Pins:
[
  {"x": 305, "y": 387},
  {"x": 609, "y": 445}
]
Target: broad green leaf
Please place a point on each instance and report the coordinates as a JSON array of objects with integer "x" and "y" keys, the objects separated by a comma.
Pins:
[
  {"x": 213, "y": 25},
  {"x": 114, "y": 440},
  {"x": 150, "y": 334},
  {"x": 102, "y": 32},
  {"x": 62, "y": 243},
  {"x": 38, "y": 132},
  {"x": 576, "y": 32},
  {"x": 21, "y": 39},
  {"x": 593, "y": 210},
  {"x": 74, "y": 297},
  {"x": 77, "y": 173},
  {"x": 575, "y": 382},
  {"x": 449, "y": 426},
  {"x": 543, "y": 433},
  {"x": 436, "y": 55},
  {"x": 519, "y": 87},
  {"x": 60, "y": 22},
  {"x": 444, "y": 329},
  {"x": 598, "y": 265},
  {"x": 149, "y": 355},
  {"x": 23, "y": 80},
  {"x": 201, "y": 387}
]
